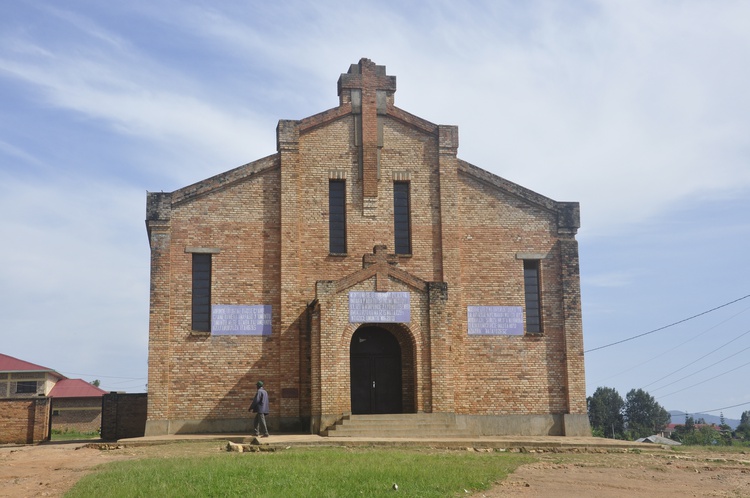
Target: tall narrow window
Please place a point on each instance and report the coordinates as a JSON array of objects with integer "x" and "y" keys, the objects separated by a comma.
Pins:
[
  {"x": 533, "y": 296},
  {"x": 401, "y": 225},
  {"x": 202, "y": 292},
  {"x": 337, "y": 216}
]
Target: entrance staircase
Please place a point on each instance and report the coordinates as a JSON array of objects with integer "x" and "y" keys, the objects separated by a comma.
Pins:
[{"x": 401, "y": 425}]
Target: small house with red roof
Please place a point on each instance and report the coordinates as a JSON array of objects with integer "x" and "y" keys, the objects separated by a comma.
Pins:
[
  {"x": 76, "y": 404},
  {"x": 22, "y": 379}
]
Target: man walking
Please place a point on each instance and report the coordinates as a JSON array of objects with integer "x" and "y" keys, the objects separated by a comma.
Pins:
[{"x": 260, "y": 407}]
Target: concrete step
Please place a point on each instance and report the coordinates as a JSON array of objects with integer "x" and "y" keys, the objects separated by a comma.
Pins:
[{"x": 395, "y": 425}]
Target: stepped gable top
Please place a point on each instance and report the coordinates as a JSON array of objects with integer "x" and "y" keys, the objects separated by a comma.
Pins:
[
  {"x": 364, "y": 88},
  {"x": 11, "y": 364},
  {"x": 368, "y": 75},
  {"x": 75, "y": 388}
]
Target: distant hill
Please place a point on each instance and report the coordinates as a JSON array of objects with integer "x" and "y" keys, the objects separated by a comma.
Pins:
[{"x": 678, "y": 417}]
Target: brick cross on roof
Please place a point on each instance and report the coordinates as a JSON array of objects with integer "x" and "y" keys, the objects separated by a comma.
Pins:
[
  {"x": 381, "y": 259},
  {"x": 368, "y": 77},
  {"x": 369, "y": 86}
]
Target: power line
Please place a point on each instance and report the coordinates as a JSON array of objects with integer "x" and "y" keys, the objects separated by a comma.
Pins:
[
  {"x": 666, "y": 326},
  {"x": 679, "y": 345},
  {"x": 699, "y": 359},
  {"x": 704, "y": 381},
  {"x": 724, "y": 408},
  {"x": 701, "y": 370}
]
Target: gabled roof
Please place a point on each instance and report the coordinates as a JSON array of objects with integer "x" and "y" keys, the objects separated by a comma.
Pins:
[
  {"x": 75, "y": 388},
  {"x": 11, "y": 364},
  {"x": 658, "y": 440},
  {"x": 160, "y": 204}
]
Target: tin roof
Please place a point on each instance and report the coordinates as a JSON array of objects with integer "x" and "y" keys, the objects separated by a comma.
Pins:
[
  {"x": 75, "y": 388},
  {"x": 11, "y": 364}
]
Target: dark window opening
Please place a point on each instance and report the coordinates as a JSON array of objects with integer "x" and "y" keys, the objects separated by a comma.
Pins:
[
  {"x": 26, "y": 387},
  {"x": 337, "y": 216},
  {"x": 202, "y": 292},
  {"x": 533, "y": 296},
  {"x": 401, "y": 224}
]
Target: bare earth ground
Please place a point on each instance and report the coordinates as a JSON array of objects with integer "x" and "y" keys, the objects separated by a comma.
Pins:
[
  {"x": 51, "y": 469},
  {"x": 665, "y": 474}
]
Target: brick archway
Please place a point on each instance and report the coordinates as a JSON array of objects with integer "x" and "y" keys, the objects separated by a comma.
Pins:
[{"x": 410, "y": 342}]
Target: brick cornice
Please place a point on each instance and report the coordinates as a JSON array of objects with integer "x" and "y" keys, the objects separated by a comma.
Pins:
[
  {"x": 505, "y": 185},
  {"x": 323, "y": 118},
  {"x": 412, "y": 120},
  {"x": 568, "y": 213},
  {"x": 224, "y": 180}
]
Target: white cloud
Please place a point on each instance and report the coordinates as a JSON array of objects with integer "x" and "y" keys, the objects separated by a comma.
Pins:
[
  {"x": 134, "y": 96},
  {"x": 627, "y": 110},
  {"x": 75, "y": 270},
  {"x": 18, "y": 153}
]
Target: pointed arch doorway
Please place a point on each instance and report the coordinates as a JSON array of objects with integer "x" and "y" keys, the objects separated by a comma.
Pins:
[{"x": 375, "y": 366}]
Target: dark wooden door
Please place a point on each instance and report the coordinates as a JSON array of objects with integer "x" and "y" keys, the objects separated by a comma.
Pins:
[{"x": 375, "y": 362}]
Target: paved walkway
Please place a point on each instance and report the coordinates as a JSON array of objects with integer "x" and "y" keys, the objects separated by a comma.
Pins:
[{"x": 442, "y": 442}]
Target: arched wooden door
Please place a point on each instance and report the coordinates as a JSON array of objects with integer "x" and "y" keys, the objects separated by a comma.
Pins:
[{"x": 375, "y": 365}]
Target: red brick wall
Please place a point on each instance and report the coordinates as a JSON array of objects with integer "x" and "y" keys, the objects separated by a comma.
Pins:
[
  {"x": 510, "y": 374},
  {"x": 243, "y": 221},
  {"x": 268, "y": 223},
  {"x": 24, "y": 421}
]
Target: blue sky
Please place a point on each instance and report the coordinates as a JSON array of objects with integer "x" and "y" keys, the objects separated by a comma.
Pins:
[{"x": 639, "y": 110}]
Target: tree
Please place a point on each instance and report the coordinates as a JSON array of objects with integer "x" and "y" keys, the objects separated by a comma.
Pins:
[
  {"x": 643, "y": 415},
  {"x": 605, "y": 412},
  {"x": 684, "y": 431},
  {"x": 723, "y": 426},
  {"x": 95, "y": 382},
  {"x": 743, "y": 430},
  {"x": 689, "y": 423}
]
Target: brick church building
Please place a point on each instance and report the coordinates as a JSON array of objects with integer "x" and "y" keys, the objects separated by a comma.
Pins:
[{"x": 364, "y": 268}]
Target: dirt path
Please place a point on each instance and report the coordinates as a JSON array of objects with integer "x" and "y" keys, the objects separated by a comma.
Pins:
[
  {"x": 662, "y": 474},
  {"x": 53, "y": 468},
  {"x": 48, "y": 469}
]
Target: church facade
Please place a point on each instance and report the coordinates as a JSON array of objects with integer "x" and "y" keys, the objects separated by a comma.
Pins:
[{"x": 364, "y": 269}]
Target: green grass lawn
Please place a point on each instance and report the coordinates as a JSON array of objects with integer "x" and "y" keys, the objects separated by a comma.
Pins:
[
  {"x": 318, "y": 472},
  {"x": 69, "y": 435}
]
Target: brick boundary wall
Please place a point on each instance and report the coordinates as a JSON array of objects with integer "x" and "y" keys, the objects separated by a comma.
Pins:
[
  {"x": 123, "y": 415},
  {"x": 25, "y": 421}
]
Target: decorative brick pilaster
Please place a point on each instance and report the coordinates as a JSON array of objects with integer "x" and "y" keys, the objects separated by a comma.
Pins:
[
  {"x": 292, "y": 304},
  {"x": 448, "y": 334},
  {"x": 158, "y": 224},
  {"x": 568, "y": 224},
  {"x": 441, "y": 396}
]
